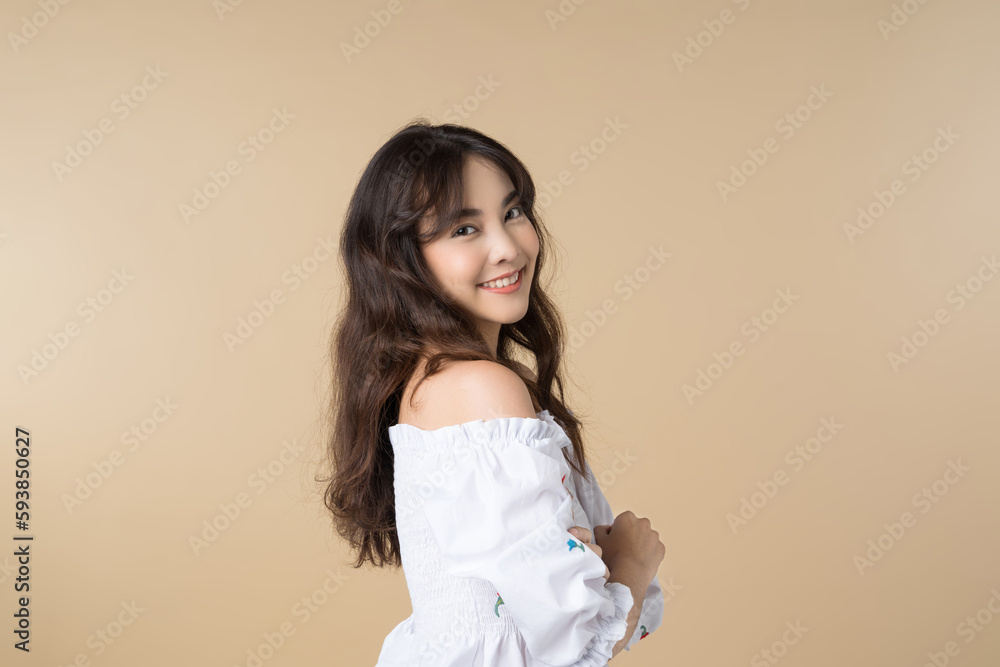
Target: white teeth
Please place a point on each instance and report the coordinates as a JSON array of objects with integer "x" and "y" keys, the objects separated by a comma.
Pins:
[{"x": 503, "y": 282}]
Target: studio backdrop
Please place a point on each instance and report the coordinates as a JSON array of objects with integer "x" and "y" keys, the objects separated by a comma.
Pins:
[{"x": 777, "y": 256}]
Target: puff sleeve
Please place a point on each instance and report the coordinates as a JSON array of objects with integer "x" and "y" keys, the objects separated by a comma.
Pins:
[
  {"x": 598, "y": 510},
  {"x": 498, "y": 510}
]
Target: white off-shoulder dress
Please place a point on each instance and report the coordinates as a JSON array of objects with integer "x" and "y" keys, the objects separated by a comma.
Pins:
[{"x": 483, "y": 511}]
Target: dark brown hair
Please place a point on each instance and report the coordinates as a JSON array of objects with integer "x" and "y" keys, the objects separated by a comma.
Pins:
[{"x": 395, "y": 312}]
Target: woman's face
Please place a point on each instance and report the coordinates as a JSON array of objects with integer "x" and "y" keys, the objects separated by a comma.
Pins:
[{"x": 493, "y": 238}]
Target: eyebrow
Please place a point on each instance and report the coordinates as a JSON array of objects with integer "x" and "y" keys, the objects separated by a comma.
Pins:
[{"x": 475, "y": 212}]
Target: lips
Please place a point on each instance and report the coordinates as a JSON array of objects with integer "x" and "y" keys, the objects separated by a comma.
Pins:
[
  {"x": 509, "y": 289},
  {"x": 506, "y": 275}
]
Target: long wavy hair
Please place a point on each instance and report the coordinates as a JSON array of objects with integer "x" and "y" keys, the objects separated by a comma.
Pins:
[{"x": 395, "y": 312}]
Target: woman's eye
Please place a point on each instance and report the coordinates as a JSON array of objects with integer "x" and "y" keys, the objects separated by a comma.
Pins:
[{"x": 519, "y": 210}]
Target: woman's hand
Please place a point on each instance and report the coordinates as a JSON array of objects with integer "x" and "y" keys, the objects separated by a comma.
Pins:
[
  {"x": 585, "y": 536},
  {"x": 630, "y": 543}
]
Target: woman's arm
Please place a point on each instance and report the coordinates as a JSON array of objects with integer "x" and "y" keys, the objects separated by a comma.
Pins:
[
  {"x": 638, "y": 585},
  {"x": 498, "y": 511},
  {"x": 599, "y": 511},
  {"x": 625, "y": 574}
]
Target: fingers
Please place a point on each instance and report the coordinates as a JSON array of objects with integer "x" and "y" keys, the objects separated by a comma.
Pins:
[
  {"x": 587, "y": 537},
  {"x": 597, "y": 550},
  {"x": 582, "y": 534}
]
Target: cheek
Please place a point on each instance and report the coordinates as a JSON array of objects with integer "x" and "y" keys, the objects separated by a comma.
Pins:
[
  {"x": 529, "y": 241},
  {"x": 455, "y": 271},
  {"x": 441, "y": 268}
]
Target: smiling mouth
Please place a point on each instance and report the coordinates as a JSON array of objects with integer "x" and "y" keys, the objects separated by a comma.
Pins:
[{"x": 517, "y": 275}]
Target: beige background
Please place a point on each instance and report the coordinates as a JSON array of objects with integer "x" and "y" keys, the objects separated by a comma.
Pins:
[{"x": 685, "y": 464}]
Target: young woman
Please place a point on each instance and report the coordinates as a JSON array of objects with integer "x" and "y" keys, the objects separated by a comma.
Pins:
[{"x": 453, "y": 459}]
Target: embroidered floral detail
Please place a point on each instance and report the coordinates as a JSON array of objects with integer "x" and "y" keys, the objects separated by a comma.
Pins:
[
  {"x": 563, "y": 480},
  {"x": 496, "y": 607},
  {"x": 573, "y": 543},
  {"x": 644, "y": 633}
]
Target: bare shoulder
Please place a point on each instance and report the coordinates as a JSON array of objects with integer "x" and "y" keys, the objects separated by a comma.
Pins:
[{"x": 466, "y": 391}]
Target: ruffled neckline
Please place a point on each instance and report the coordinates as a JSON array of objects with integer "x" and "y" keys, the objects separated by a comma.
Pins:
[{"x": 521, "y": 429}]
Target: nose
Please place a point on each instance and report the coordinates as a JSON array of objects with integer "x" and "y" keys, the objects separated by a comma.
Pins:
[{"x": 503, "y": 247}]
